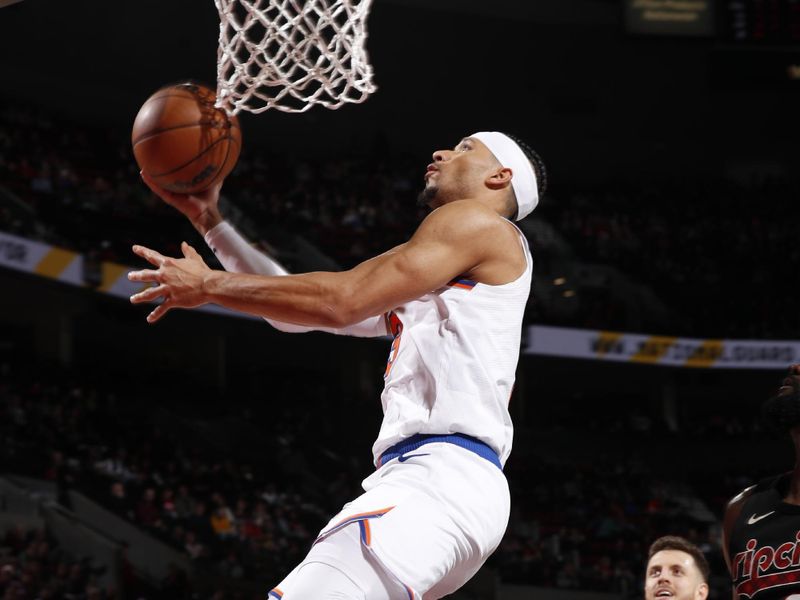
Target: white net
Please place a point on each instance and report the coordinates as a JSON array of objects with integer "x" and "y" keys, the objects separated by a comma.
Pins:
[{"x": 290, "y": 55}]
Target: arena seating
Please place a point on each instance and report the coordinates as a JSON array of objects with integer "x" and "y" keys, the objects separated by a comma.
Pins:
[
  {"x": 576, "y": 524},
  {"x": 662, "y": 257}
]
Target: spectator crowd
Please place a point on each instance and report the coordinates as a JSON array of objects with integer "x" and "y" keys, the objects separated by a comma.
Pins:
[
  {"x": 575, "y": 524},
  {"x": 708, "y": 249},
  {"x": 716, "y": 252},
  {"x": 34, "y": 567}
]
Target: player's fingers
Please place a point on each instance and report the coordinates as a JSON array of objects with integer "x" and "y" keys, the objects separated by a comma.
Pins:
[
  {"x": 154, "y": 187},
  {"x": 149, "y": 294},
  {"x": 145, "y": 276},
  {"x": 794, "y": 370},
  {"x": 158, "y": 190},
  {"x": 188, "y": 251},
  {"x": 159, "y": 312},
  {"x": 151, "y": 256},
  {"x": 215, "y": 189}
]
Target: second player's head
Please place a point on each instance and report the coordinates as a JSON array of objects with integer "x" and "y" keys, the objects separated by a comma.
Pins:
[
  {"x": 782, "y": 411},
  {"x": 487, "y": 164},
  {"x": 676, "y": 569}
]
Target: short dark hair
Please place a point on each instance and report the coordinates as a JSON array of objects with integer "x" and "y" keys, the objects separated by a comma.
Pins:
[
  {"x": 536, "y": 161},
  {"x": 674, "y": 542}
]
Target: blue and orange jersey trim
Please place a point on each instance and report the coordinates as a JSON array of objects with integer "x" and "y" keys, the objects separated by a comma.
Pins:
[
  {"x": 366, "y": 536},
  {"x": 363, "y": 523},
  {"x": 462, "y": 283},
  {"x": 374, "y": 514},
  {"x": 275, "y": 593},
  {"x": 363, "y": 520}
]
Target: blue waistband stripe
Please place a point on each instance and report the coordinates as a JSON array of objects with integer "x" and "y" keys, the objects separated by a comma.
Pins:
[{"x": 457, "y": 439}]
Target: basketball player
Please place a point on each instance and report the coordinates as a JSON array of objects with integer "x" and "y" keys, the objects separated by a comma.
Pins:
[
  {"x": 676, "y": 569},
  {"x": 453, "y": 298},
  {"x": 761, "y": 530}
]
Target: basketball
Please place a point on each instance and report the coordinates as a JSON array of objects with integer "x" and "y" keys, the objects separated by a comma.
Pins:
[{"x": 184, "y": 142}]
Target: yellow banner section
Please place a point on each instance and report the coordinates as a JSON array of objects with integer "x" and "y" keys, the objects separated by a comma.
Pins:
[
  {"x": 666, "y": 351},
  {"x": 55, "y": 262},
  {"x": 706, "y": 354},
  {"x": 653, "y": 349},
  {"x": 110, "y": 274},
  {"x": 607, "y": 341}
]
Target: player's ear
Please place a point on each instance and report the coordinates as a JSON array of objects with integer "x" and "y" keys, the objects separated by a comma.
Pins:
[
  {"x": 499, "y": 178},
  {"x": 702, "y": 591}
]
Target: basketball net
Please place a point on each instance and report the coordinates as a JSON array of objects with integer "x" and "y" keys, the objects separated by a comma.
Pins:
[{"x": 290, "y": 55}]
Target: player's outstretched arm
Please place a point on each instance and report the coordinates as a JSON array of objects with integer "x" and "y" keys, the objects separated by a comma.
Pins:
[
  {"x": 458, "y": 238},
  {"x": 237, "y": 255},
  {"x": 202, "y": 210}
]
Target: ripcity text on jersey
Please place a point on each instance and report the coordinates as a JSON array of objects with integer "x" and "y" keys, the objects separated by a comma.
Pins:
[{"x": 764, "y": 544}]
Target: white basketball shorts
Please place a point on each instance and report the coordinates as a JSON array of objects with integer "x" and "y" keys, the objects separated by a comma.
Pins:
[{"x": 430, "y": 516}]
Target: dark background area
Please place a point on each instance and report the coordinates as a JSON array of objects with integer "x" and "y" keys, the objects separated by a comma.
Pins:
[{"x": 597, "y": 102}]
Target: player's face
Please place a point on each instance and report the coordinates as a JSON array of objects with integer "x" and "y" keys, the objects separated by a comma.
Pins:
[
  {"x": 674, "y": 574},
  {"x": 458, "y": 173},
  {"x": 782, "y": 411}
]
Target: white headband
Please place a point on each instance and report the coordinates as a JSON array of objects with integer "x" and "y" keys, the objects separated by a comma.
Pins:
[{"x": 523, "y": 178}]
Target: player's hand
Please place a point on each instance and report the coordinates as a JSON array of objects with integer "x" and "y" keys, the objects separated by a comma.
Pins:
[
  {"x": 201, "y": 208},
  {"x": 179, "y": 281},
  {"x": 791, "y": 385}
]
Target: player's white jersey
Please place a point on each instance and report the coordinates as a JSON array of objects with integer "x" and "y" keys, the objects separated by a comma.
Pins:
[{"x": 453, "y": 361}]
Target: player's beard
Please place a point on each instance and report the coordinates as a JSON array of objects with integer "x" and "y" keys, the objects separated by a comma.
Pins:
[
  {"x": 782, "y": 412},
  {"x": 426, "y": 196}
]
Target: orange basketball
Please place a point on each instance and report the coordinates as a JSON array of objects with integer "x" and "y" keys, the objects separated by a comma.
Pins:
[{"x": 183, "y": 141}]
